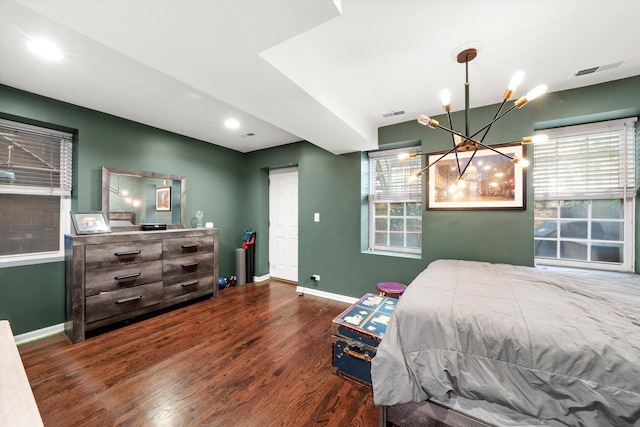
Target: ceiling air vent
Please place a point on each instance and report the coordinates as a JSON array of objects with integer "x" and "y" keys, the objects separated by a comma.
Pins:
[
  {"x": 599, "y": 68},
  {"x": 587, "y": 71},
  {"x": 248, "y": 134},
  {"x": 393, "y": 113}
]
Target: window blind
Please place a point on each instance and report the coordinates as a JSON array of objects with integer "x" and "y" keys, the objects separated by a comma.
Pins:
[
  {"x": 390, "y": 176},
  {"x": 34, "y": 160},
  {"x": 594, "y": 161}
]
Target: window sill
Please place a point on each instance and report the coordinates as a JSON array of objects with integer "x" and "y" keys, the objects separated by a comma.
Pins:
[
  {"x": 393, "y": 254},
  {"x": 18, "y": 261},
  {"x": 557, "y": 264}
]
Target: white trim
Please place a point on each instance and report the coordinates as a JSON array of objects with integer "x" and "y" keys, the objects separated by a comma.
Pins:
[
  {"x": 328, "y": 295},
  {"x": 39, "y": 333},
  {"x": 41, "y": 258},
  {"x": 261, "y": 278}
]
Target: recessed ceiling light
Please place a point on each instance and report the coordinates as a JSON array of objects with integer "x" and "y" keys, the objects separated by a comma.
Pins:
[
  {"x": 45, "y": 48},
  {"x": 232, "y": 123}
]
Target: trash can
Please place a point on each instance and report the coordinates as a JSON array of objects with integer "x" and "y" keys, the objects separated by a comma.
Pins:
[
  {"x": 249, "y": 246},
  {"x": 241, "y": 267}
]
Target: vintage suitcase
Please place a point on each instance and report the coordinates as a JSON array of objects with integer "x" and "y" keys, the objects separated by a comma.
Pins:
[{"x": 356, "y": 333}]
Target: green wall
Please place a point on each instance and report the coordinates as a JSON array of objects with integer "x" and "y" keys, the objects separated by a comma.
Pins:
[
  {"x": 32, "y": 297},
  {"x": 232, "y": 189},
  {"x": 506, "y": 236}
]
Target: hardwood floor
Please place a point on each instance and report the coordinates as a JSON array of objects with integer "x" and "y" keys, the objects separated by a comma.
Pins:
[{"x": 259, "y": 355}]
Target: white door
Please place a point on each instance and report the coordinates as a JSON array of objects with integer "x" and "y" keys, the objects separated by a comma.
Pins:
[{"x": 283, "y": 224}]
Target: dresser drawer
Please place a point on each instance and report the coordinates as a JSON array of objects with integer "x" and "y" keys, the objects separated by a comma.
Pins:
[
  {"x": 187, "y": 269},
  {"x": 187, "y": 246},
  {"x": 108, "y": 304},
  {"x": 114, "y": 278},
  {"x": 189, "y": 286},
  {"x": 122, "y": 253}
]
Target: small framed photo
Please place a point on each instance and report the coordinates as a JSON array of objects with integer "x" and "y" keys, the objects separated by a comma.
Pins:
[
  {"x": 163, "y": 199},
  {"x": 90, "y": 222}
]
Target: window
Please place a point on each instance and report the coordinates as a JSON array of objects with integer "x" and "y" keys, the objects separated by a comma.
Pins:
[
  {"x": 35, "y": 189},
  {"x": 395, "y": 204},
  {"x": 584, "y": 189}
]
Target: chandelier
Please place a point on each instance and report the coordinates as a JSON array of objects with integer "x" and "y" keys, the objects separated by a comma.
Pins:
[{"x": 463, "y": 142}]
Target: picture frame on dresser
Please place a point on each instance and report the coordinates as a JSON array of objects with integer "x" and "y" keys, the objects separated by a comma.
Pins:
[{"x": 93, "y": 222}]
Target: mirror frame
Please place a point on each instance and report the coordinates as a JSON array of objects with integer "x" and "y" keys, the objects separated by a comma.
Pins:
[{"x": 106, "y": 176}]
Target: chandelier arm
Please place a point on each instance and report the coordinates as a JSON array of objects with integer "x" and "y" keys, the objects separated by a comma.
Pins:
[
  {"x": 424, "y": 169},
  {"x": 469, "y": 162},
  {"x": 494, "y": 150},
  {"x": 453, "y": 141},
  {"x": 488, "y": 125},
  {"x": 504, "y": 101},
  {"x": 453, "y": 132}
]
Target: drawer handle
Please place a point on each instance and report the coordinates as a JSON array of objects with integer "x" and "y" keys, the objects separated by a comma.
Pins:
[
  {"x": 184, "y": 285},
  {"x": 127, "y": 253},
  {"x": 122, "y": 301},
  {"x": 357, "y": 355},
  {"x": 127, "y": 276},
  {"x": 190, "y": 264},
  {"x": 191, "y": 246}
]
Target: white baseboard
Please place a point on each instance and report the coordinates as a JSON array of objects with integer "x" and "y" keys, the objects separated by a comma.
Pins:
[
  {"x": 39, "y": 333},
  {"x": 261, "y": 278},
  {"x": 327, "y": 295}
]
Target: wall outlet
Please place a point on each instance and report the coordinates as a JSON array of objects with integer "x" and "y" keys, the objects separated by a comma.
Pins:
[{"x": 315, "y": 277}]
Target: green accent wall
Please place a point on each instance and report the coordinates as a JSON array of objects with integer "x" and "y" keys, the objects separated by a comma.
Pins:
[
  {"x": 232, "y": 189},
  {"x": 32, "y": 297}
]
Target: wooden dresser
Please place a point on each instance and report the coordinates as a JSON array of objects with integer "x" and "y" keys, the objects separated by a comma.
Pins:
[{"x": 116, "y": 276}]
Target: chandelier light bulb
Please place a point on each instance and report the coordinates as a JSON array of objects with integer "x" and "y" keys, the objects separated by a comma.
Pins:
[
  {"x": 523, "y": 163},
  {"x": 536, "y": 139},
  {"x": 406, "y": 156},
  {"x": 445, "y": 98},
  {"x": 516, "y": 80},
  {"x": 428, "y": 121},
  {"x": 461, "y": 183},
  {"x": 453, "y": 188},
  {"x": 536, "y": 92},
  {"x": 413, "y": 178},
  {"x": 540, "y": 138},
  {"x": 513, "y": 84},
  {"x": 531, "y": 95}
]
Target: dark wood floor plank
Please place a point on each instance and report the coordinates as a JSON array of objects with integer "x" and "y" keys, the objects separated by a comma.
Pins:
[{"x": 259, "y": 355}]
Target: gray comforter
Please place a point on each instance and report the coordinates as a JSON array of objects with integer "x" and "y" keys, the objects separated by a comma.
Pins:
[{"x": 549, "y": 344}]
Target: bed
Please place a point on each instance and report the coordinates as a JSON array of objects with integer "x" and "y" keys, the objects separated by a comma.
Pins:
[{"x": 472, "y": 341}]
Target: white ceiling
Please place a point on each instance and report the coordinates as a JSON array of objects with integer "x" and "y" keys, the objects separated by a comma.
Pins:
[{"x": 324, "y": 71}]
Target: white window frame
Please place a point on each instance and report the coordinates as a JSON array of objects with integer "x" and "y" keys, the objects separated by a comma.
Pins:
[
  {"x": 625, "y": 192},
  {"x": 628, "y": 253},
  {"x": 412, "y": 165},
  {"x": 64, "y": 192}
]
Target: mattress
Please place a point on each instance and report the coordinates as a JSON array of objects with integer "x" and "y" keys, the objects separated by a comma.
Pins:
[{"x": 553, "y": 345}]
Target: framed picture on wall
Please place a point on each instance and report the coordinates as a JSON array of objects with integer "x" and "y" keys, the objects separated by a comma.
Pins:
[
  {"x": 491, "y": 181},
  {"x": 90, "y": 222},
  {"x": 163, "y": 199}
]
